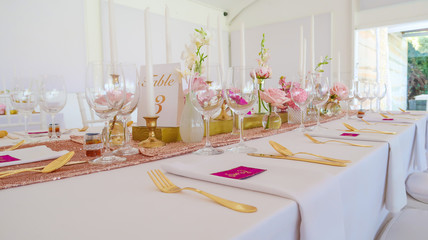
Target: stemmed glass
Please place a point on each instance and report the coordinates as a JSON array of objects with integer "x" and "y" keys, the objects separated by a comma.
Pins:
[
  {"x": 131, "y": 78},
  {"x": 105, "y": 94},
  {"x": 301, "y": 94},
  {"x": 321, "y": 94},
  {"x": 53, "y": 96},
  {"x": 240, "y": 91},
  {"x": 372, "y": 92},
  {"x": 360, "y": 92},
  {"x": 348, "y": 97},
  {"x": 205, "y": 94},
  {"x": 380, "y": 94},
  {"x": 24, "y": 98}
]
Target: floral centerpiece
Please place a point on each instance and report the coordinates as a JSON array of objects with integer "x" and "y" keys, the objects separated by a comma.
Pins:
[
  {"x": 285, "y": 87},
  {"x": 262, "y": 72},
  {"x": 191, "y": 123},
  {"x": 275, "y": 98},
  {"x": 338, "y": 92}
]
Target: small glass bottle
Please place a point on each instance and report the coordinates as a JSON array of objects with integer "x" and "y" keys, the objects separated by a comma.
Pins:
[
  {"x": 93, "y": 144},
  {"x": 54, "y": 132}
]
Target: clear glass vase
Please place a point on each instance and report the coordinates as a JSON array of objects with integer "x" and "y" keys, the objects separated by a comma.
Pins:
[
  {"x": 271, "y": 119},
  {"x": 191, "y": 123},
  {"x": 294, "y": 115}
]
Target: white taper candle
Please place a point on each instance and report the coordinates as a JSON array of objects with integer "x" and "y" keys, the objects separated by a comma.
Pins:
[
  {"x": 220, "y": 45},
  {"x": 167, "y": 36},
  {"x": 112, "y": 35},
  {"x": 301, "y": 72},
  {"x": 338, "y": 67},
  {"x": 149, "y": 67},
  {"x": 312, "y": 43}
]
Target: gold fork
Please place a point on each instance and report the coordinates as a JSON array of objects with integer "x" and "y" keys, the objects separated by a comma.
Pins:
[
  {"x": 166, "y": 186},
  {"x": 322, "y": 142},
  {"x": 14, "y": 146}
]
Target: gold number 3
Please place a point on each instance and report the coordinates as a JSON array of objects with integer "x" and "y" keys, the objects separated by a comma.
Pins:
[{"x": 159, "y": 100}]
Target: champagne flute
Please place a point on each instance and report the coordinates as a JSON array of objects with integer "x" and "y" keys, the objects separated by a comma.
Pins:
[
  {"x": 240, "y": 91},
  {"x": 105, "y": 94},
  {"x": 301, "y": 94},
  {"x": 132, "y": 83},
  {"x": 53, "y": 96},
  {"x": 205, "y": 92},
  {"x": 24, "y": 98},
  {"x": 321, "y": 94}
]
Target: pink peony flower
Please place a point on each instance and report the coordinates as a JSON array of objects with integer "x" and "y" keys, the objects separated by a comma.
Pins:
[
  {"x": 340, "y": 90},
  {"x": 299, "y": 95},
  {"x": 276, "y": 97},
  {"x": 263, "y": 72},
  {"x": 199, "y": 83}
]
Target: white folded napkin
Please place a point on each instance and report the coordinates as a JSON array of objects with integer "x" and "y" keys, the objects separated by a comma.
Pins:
[
  {"x": 317, "y": 195},
  {"x": 26, "y": 155},
  {"x": 393, "y": 119}
]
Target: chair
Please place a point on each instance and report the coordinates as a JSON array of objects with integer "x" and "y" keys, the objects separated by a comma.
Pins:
[
  {"x": 409, "y": 224},
  {"x": 85, "y": 111}
]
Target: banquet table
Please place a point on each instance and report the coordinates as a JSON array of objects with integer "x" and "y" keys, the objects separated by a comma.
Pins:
[{"x": 324, "y": 202}]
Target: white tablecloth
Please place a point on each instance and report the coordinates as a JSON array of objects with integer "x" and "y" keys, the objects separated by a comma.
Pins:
[{"x": 124, "y": 203}]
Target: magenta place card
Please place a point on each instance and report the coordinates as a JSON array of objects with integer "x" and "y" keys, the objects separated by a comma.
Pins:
[
  {"x": 8, "y": 158},
  {"x": 240, "y": 172},
  {"x": 388, "y": 119},
  {"x": 349, "y": 134}
]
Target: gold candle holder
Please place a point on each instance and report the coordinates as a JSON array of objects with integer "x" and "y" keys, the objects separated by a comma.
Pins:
[
  {"x": 223, "y": 114},
  {"x": 151, "y": 141}
]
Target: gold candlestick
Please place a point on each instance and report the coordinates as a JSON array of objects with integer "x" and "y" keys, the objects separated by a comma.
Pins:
[
  {"x": 151, "y": 141},
  {"x": 223, "y": 114}
]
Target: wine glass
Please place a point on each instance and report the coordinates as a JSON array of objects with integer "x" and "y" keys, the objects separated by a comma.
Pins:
[
  {"x": 360, "y": 92},
  {"x": 380, "y": 94},
  {"x": 24, "y": 98},
  {"x": 240, "y": 91},
  {"x": 105, "y": 94},
  {"x": 372, "y": 91},
  {"x": 205, "y": 92},
  {"x": 301, "y": 93},
  {"x": 132, "y": 80},
  {"x": 321, "y": 93},
  {"x": 348, "y": 97},
  {"x": 53, "y": 96}
]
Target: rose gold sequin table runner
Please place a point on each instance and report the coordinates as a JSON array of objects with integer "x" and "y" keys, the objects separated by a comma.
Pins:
[{"x": 147, "y": 155}]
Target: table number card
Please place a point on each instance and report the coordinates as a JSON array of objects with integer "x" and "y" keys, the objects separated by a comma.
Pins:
[{"x": 169, "y": 97}]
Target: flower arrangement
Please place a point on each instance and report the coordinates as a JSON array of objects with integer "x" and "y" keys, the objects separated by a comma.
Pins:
[
  {"x": 263, "y": 71},
  {"x": 285, "y": 87},
  {"x": 324, "y": 61},
  {"x": 275, "y": 98},
  {"x": 194, "y": 57},
  {"x": 339, "y": 92}
]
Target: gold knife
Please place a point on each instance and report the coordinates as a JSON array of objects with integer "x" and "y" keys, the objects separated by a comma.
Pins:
[{"x": 337, "y": 164}]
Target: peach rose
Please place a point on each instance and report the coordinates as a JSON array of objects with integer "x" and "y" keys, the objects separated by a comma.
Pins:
[{"x": 276, "y": 97}]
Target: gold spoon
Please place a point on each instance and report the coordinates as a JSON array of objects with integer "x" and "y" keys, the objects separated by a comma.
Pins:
[
  {"x": 402, "y": 110},
  {"x": 40, "y": 167},
  {"x": 14, "y": 146},
  {"x": 322, "y": 142},
  {"x": 386, "y": 116},
  {"x": 52, "y": 166},
  {"x": 284, "y": 151},
  {"x": 367, "y": 130}
]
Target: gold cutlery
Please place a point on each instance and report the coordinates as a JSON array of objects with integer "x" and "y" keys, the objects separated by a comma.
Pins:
[
  {"x": 52, "y": 166},
  {"x": 367, "y": 130},
  {"x": 322, "y": 142},
  {"x": 402, "y": 110},
  {"x": 337, "y": 164},
  {"x": 394, "y": 124},
  {"x": 284, "y": 151},
  {"x": 40, "y": 167},
  {"x": 83, "y": 129},
  {"x": 386, "y": 116},
  {"x": 166, "y": 186},
  {"x": 14, "y": 146}
]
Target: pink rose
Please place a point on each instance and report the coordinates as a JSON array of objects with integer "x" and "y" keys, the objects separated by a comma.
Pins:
[
  {"x": 204, "y": 97},
  {"x": 282, "y": 81},
  {"x": 263, "y": 72},
  {"x": 291, "y": 104},
  {"x": 340, "y": 90},
  {"x": 114, "y": 96},
  {"x": 276, "y": 97}
]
